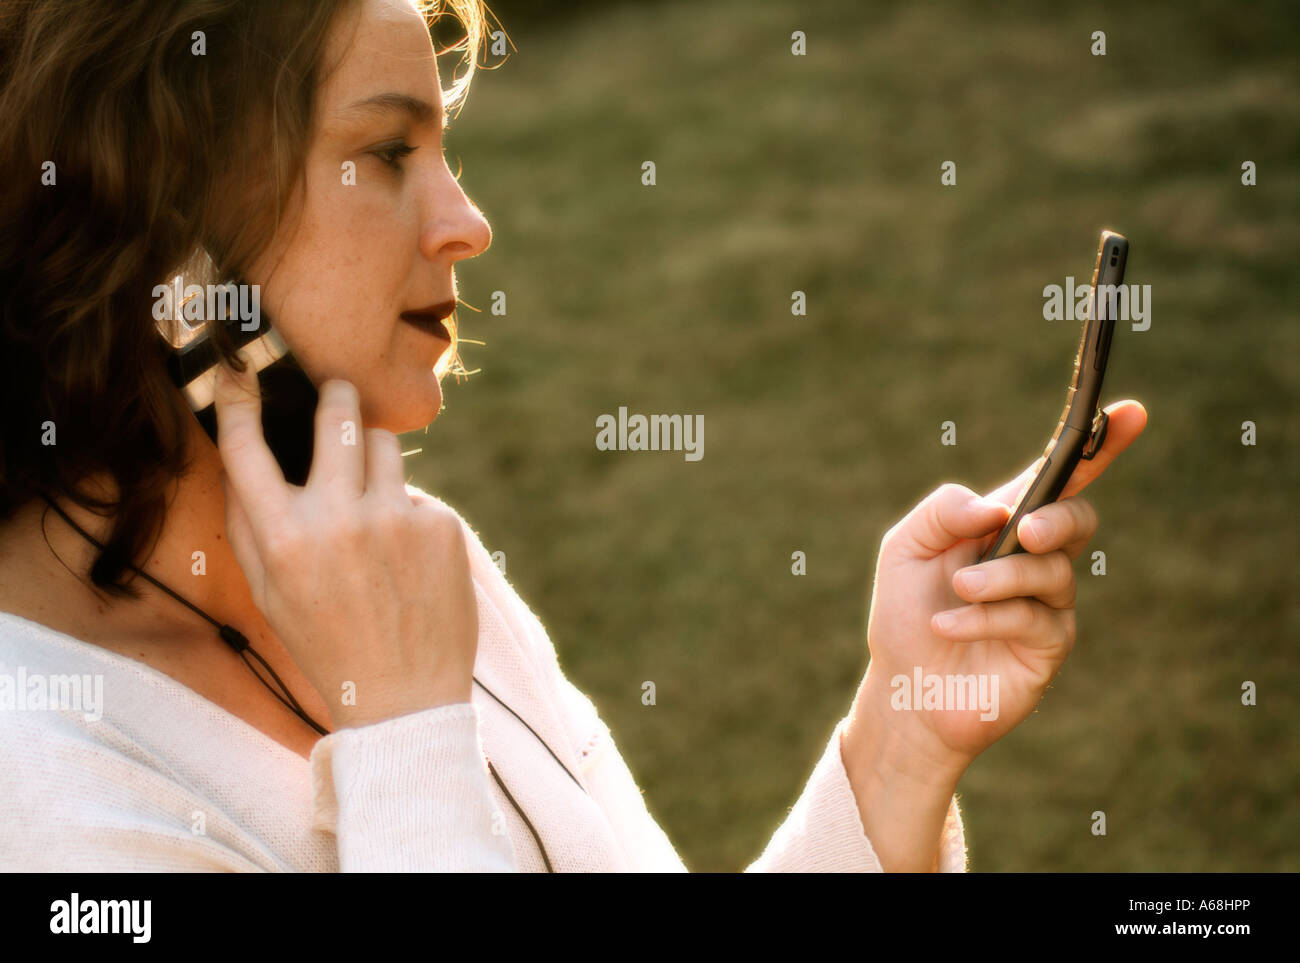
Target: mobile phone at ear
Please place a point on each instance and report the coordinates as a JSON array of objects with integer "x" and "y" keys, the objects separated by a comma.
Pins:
[
  {"x": 1081, "y": 430},
  {"x": 289, "y": 396}
]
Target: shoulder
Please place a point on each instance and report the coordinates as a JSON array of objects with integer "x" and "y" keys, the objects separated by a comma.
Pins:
[
  {"x": 58, "y": 768},
  {"x": 84, "y": 786},
  {"x": 73, "y": 715},
  {"x": 52, "y": 703}
]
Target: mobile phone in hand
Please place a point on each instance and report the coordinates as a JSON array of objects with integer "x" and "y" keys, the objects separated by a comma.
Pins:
[
  {"x": 1081, "y": 430},
  {"x": 289, "y": 396}
]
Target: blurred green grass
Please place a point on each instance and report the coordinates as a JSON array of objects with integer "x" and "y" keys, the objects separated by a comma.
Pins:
[{"x": 821, "y": 173}]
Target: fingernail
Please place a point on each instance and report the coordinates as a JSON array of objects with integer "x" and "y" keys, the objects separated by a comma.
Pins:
[
  {"x": 1042, "y": 528},
  {"x": 945, "y": 621},
  {"x": 973, "y": 581}
]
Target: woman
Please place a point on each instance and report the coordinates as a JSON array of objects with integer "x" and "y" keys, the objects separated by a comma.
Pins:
[{"x": 429, "y": 725}]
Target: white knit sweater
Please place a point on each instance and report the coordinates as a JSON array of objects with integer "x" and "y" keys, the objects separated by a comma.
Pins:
[{"x": 166, "y": 780}]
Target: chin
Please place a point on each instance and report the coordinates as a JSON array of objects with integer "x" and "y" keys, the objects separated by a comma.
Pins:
[{"x": 410, "y": 407}]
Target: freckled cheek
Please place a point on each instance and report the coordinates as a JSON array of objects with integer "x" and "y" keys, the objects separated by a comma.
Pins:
[
  {"x": 340, "y": 283},
  {"x": 332, "y": 317},
  {"x": 363, "y": 233},
  {"x": 352, "y": 203}
]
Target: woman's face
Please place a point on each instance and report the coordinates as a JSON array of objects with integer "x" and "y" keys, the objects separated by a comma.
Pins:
[{"x": 380, "y": 226}]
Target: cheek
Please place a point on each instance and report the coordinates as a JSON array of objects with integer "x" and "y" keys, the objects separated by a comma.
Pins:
[
  {"x": 325, "y": 321},
  {"x": 336, "y": 287},
  {"x": 337, "y": 291},
  {"x": 338, "y": 331}
]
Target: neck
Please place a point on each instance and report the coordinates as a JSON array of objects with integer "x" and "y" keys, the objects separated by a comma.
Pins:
[{"x": 194, "y": 523}]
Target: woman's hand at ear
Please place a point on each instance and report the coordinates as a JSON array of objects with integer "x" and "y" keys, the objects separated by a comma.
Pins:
[
  {"x": 903, "y": 752},
  {"x": 362, "y": 583}
]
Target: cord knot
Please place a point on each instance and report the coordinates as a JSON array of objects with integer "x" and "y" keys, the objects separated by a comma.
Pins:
[{"x": 234, "y": 638}]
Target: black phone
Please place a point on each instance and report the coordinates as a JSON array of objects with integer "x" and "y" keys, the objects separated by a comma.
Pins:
[
  {"x": 289, "y": 396},
  {"x": 1082, "y": 428}
]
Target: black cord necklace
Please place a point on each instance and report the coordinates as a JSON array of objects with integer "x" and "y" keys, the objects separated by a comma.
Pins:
[{"x": 239, "y": 642}]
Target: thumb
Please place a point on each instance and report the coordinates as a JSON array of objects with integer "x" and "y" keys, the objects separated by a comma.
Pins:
[{"x": 946, "y": 516}]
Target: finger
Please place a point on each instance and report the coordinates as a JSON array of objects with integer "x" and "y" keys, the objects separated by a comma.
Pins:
[
  {"x": 950, "y": 513},
  {"x": 253, "y": 473},
  {"x": 1048, "y": 578},
  {"x": 339, "y": 462},
  {"x": 384, "y": 467},
  {"x": 1127, "y": 420},
  {"x": 1067, "y": 525},
  {"x": 1020, "y": 620}
]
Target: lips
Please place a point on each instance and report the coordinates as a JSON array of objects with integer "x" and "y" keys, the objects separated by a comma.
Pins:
[{"x": 429, "y": 319}]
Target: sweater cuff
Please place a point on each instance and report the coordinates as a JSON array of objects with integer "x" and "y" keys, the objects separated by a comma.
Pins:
[
  {"x": 952, "y": 836},
  {"x": 952, "y": 841},
  {"x": 409, "y": 794},
  {"x": 824, "y": 831}
]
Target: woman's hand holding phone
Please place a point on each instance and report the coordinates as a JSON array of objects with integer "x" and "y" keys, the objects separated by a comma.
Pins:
[
  {"x": 905, "y": 755},
  {"x": 361, "y": 582}
]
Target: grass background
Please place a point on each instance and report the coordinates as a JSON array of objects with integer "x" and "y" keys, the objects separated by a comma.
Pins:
[{"x": 820, "y": 173}]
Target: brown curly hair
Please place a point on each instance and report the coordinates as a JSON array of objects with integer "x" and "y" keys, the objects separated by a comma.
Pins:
[{"x": 121, "y": 156}]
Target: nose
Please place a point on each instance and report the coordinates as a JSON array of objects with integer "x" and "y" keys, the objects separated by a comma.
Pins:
[{"x": 452, "y": 226}]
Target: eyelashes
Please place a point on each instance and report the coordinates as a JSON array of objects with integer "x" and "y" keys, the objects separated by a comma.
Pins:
[{"x": 392, "y": 154}]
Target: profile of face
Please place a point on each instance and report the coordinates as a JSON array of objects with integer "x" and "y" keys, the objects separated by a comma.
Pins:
[{"x": 363, "y": 243}]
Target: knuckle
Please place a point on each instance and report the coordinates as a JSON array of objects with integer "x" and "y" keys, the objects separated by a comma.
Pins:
[
  {"x": 952, "y": 492},
  {"x": 1070, "y": 627},
  {"x": 389, "y": 521},
  {"x": 1022, "y": 573},
  {"x": 380, "y": 439},
  {"x": 1062, "y": 569},
  {"x": 438, "y": 521},
  {"x": 455, "y": 539},
  {"x": 1078, "y": 515},
  {"x": 1028, "y": 615},
  {"x": 232, "y": 442},
  {"x": 1087, "y": 516},
  {"x": 453, "y": 531}
]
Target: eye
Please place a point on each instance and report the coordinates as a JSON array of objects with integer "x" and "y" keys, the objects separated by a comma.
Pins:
[{"x": 392, "y": 154}]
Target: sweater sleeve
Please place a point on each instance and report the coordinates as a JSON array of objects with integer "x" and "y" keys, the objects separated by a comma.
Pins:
[
  {"x": 824, "y": 832},
  {"x": 410, "y": 794}
]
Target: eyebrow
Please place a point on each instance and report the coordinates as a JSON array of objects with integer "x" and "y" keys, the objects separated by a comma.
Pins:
[{"x": 419, "y": 110}]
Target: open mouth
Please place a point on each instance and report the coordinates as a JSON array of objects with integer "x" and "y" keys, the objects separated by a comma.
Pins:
[{"x": 429, "y": 324}]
